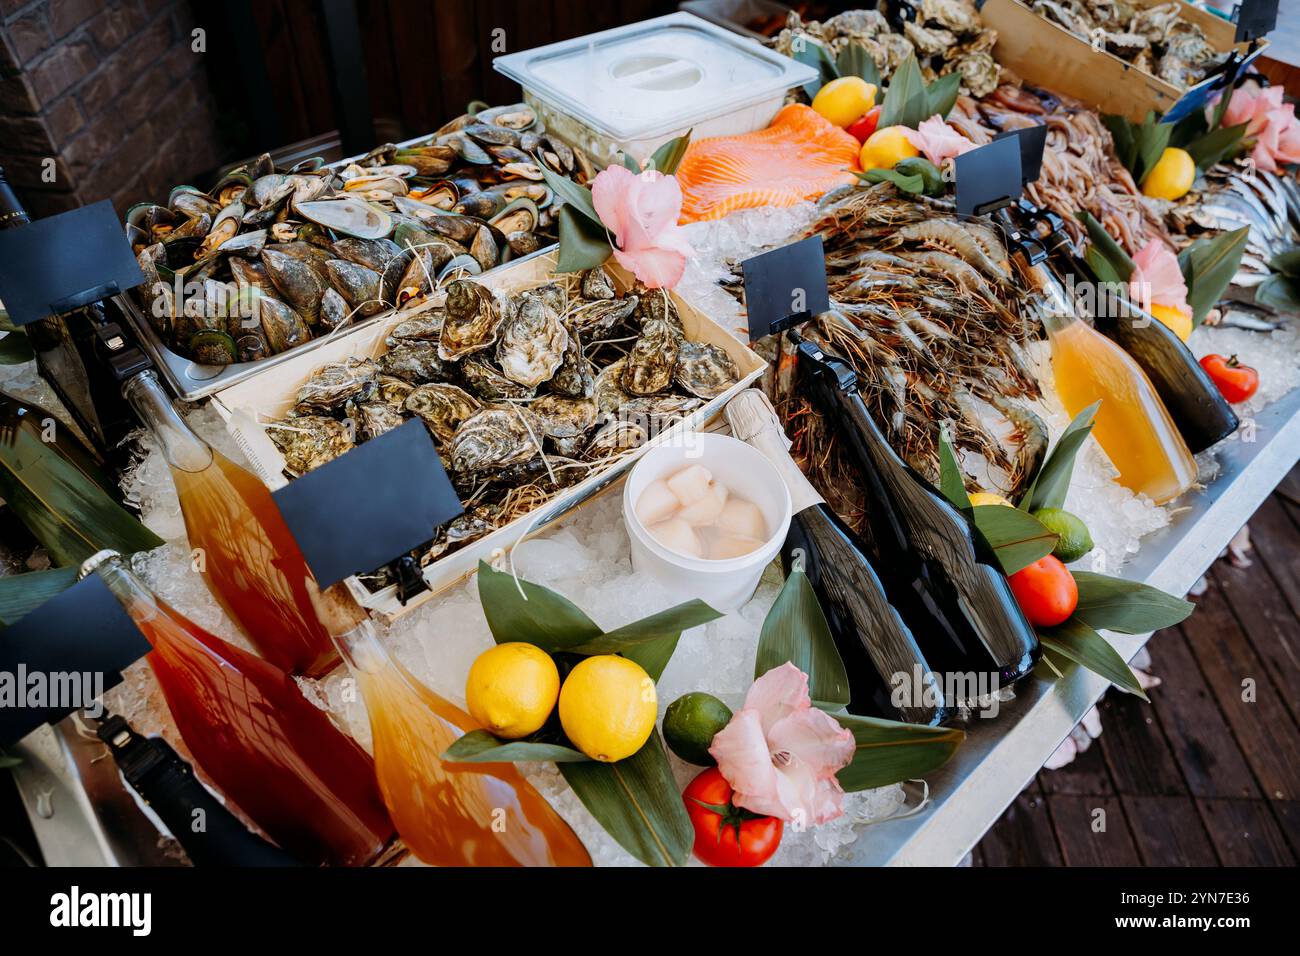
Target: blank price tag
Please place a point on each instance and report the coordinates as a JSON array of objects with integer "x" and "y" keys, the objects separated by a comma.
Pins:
[
  {"x": 61, "y": 656},
  {"x": 370, "y": 505},
  {"x": 1254, "y": 19},
  {"x": 988, "y": 177},
  {"x": 63, "y": 262},
  {"x": 785, "y": 286}
]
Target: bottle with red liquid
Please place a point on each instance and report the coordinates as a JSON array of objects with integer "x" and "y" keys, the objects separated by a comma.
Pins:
[
  {"x": 247, "y": 555},
  {"x": 303, "y": 782}
]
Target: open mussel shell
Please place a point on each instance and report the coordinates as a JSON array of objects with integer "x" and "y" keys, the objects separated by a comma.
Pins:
[
  {"x": 377, "y": 184},
  {"x": 232, "y": 187},
  {"x": 148, "y": 222},
  {"x": 267, "y": 192},
  {"x": 246, "y": 244},
  {"x": 441, "y": 195},
  {"x": 308, "y": 165},
  {"x": 348, "y": 215},
  {"x": 192, "y": 202},
  {"x": 224, "y": 228},
  {"x": 518, "y": 116},
  {"x": 460, "y": 265},
  {"x": 519, "y": 215},
  {"x": 468, "y": 150}
]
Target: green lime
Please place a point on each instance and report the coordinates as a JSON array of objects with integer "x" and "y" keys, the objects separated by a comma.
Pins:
[
  {"x": 1074, "y": 541},
  {"x": 690, "y": 723}
]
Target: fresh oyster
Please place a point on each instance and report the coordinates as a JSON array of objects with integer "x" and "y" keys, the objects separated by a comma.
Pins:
[
  {"x": 487, "y": 382},
  {"x": 473, "y": 318},
  {"x": 372, "y": 419},
  {"x": 704, "y": 370},
  {"x": 562, "y": 417},
  {"x": 608, "y": 391},
  {"x": 573, "y": 378},
  {"x": 414, "y": 362},
  {"x": 533, "y": 341},
  {"x": 426, "y": 327},
  {"x": 336, "y": 384},
  {"x": 443, "y": 407},
  {"x": 596, "y": 284},
  {"x": 309, "y": 441},
  {"x": 495, "y": 437},
  {"x": 653, "y": 357},
  {"x": 616, "y": 437},
  {"x": 599, "y": 317}
]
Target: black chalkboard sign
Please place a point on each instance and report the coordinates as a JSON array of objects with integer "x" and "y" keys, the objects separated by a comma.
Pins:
[
  {"x": 62, "y": 655},
  {"x": 785, "y": 286},
  {"x": 64, "y": 262},
  {"x": 988, "y": 177},
  {"x": 1033, "y": 140},
  {"x": 1254, "y": 19},
  {"x": 369, "y": 505}
]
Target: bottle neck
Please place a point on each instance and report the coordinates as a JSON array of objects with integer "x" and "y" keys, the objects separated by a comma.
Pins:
[
  {"x": 138, "y": 601},
  {"x": 184, "y": 449},
  {"x": 12, "y": 213},
  {"x": 1049, "y": 300}
]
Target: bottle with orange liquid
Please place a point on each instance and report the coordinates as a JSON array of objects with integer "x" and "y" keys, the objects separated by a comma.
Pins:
[
  {"x": 250, "y": 560},
  {"x": 448, "y": 814},
  {"x": 1132, "y": 424},
  {"x": 303, "y": 782}
]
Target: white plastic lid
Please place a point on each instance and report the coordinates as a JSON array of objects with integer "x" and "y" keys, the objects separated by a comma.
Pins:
[{"x": 645, "y": 78}]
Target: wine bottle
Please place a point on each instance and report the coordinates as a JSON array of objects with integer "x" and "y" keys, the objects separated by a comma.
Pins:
[
  {"x": 937, "y": 569},
  {"x": 304, "y": 783},
  {"x": 248, "y": 557},
  {"x": 879, "y": 651}
]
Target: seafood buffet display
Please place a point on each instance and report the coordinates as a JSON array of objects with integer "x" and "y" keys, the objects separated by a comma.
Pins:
[
  {"x": 524, "y": 394},
  {"x": 270, "y": 258},
  {"x": 1158, "y": 39}
]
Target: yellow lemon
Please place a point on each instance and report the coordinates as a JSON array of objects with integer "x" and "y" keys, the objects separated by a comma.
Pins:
[
  {"x": 886, "y": 148},
  {"x": 985, "y": 498},
  {"x": 512, "y": 688},
  {"x": 1171, "y": 176},
  {"x": 1179, "y": 322},
  {"x": 843, "y": 101},
  {"x": 608, "y": 707}
]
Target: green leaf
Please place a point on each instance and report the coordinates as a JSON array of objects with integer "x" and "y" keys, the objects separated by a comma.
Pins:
[
  {"x": 1101, "y": 267},
  {"x": 1208, "y": 267},
  {"x": 855, "y": 60},
  {"x": 1078, "y": 642},
  {"x": 1053, "y": 479},
  {"x": 889, "y": 752},
  {"x": 7, "y": 762},
  {"x": 479, "y": 746},
  {"x": 653, "y": 656},
  {"x": 950, "y": 481},
  {"x": 65, "y": 510},
  {"x": 906, "y": 99},
  {"x": 1189, "y": 129},
  {"x": 15, "y": 349},
  {"x": 1220, "y": 108},
  {"x": 21, "y": 593},
  {"x": 941, "y": 95},
  {"x": 668, "y": 157},
  {"x": 1279, "y": 292},
  {"x": 578, "y": 197},
  {"x": 1216, "y": 147},
  {"x": 629, "y": 163},
  {"x": 1152, "y": 138},
  {"x": 1124, "y": 134},
  {"x": 914, "y": 185},
  {"x": 1288, "y": 263},
  {"x": 637, "y": 802},
  {"x": 657, "y": 626},
  {"x": 549, "y": 620},
  {"x": 811, "y": 53},
  {"x": 583, "y": 243},
  {"x": 795, "y": 630},
  {"x": 1016, "y": 537},
  {"x": 1113, "y": 604},
  {"x": 1107, "y": 246}
]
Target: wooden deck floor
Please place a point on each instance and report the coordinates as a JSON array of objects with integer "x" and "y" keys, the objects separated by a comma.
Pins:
[{"x": 1204, "y": 775}]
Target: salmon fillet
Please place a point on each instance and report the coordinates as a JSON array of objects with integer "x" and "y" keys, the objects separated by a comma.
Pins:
[{"x": 799, "y": 156}]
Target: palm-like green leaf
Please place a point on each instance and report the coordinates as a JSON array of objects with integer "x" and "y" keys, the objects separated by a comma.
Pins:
[
  {"x": 855, "y": 60},
  {"x": 668, "y": 157},
  {"x": 637, "y": 802},
  {"x": 1106, "y": 246},
  {"x": 813, "y": 54},
  {"x": 650, "y": 641},
  {"x": 796, "y": 631},
  {"x": 951, "y": 484},
  {"x": 906, "y": 99},
  {"x": 890, "y": 752},
  {"x": 539, "y": 616},
  {"x": 583, "y": 243},
  {"x": 579, "y": 197},
  {"x": 1114, "y": 604},
  {"x": 1279, "y": 292},
  {"x": 21, "y": 593},
  {"x": 1016, "y": 537},
  {"x": 1078, "y": 642},
  {"x": 479, "y": 746},
  {"x": 1208, "y": 266},
  {"x": 1053, "y": 479}
]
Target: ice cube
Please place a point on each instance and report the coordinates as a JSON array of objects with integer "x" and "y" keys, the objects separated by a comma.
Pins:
[
  {"x": 677, "y": 535},
  {"x": 657, "y": 503},
  {"x": 691, "y": 483},
  {"x": 743, "y": 517},
  {"x": 723, "y": 546},
  {"x": 705, "y": 509}
]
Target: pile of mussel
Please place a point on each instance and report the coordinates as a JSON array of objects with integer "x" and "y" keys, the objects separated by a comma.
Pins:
[
  {"x": 523, "y": 394},
  {"x": 271, "y": 257}
]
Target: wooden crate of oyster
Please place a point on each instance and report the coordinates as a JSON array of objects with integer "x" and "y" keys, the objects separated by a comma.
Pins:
[
  {"x": 1042, "y": 52},
  {"x": 251, "y": 405}
]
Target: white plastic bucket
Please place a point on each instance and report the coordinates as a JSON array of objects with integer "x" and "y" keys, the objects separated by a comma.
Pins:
[{"x": 725, "y": 584}]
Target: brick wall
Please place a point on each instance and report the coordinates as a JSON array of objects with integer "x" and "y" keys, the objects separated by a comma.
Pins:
[{"x": 112, "y": 92}]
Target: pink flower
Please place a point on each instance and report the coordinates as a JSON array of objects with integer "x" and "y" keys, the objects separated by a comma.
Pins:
[
  {"x": 1270, "y": 122},
  {"x": 780, "y": 754},
  {"x": 1158, "y": 279},
  {"x": 939, "y": 141},
  {"x": 641, "y": 210}
]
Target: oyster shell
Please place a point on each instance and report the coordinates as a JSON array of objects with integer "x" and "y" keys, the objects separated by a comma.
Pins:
[
  {"x": 614, "y": 438},
  {"x": 495, "y": 437},
  {"x": 704, "y": 370},
  {"x": 573, "y": 378},
  {"x": 413, "y": 362},
  {"x": 473, "y": 318},
  {"x": 355, "y": 380},
  {"x": 487, "y": 382},
  {"x": 309, "y": 441},
  {"x": 562, "y": 417},
  {"x": 653, "y": 357},
  {"x": 443, "y": 407},
  {"x": 372, "y": 419},
  {"x": 533, "y": 341},
  {"x": 597, "y": 318},
  {"x": 426, "y": 327},
  {"x": 608, "y": 391}
]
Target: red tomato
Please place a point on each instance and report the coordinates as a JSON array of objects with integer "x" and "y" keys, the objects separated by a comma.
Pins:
[
  {"x": 726, "y": 835},
  {"x": 1236, "y": 382},
  {"x": 866, "y": 125},
  {"x": 1045, "y": 591}
]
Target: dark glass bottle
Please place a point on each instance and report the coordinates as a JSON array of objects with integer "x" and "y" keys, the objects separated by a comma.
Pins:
[
  {"x": 938, "y": 570},
  {"x": 888, "y": 673}
]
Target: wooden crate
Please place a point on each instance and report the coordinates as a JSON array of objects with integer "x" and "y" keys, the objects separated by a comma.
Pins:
[
  {"x": 269, "y": 395},
  {"x": 1045, "y": 54}
]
